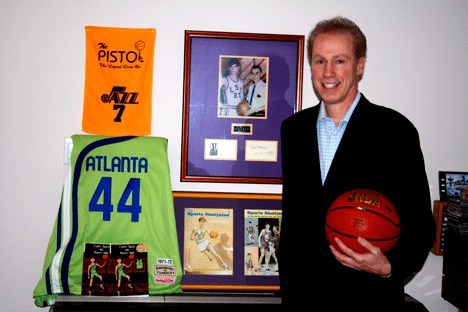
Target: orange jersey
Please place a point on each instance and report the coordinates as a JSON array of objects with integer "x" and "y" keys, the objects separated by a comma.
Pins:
[{"x": 118, "y": 81}]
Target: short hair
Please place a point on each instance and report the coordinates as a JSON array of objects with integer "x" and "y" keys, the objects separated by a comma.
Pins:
[
  {"x": 256, "y": 67},
  {"x": 202, "y": 218},
  {"x": 232, "y": 62},
  {"x": 342, "y": 25}
]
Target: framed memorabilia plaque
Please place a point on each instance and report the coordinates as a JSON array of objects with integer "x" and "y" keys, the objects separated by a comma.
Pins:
[
  {"x": 228, "y": 241},
  {"x": 238, "y": 88},
  {"x": 451, "y": 183}
]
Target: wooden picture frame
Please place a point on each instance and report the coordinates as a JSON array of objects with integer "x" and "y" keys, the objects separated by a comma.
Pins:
[
  {"x": 231, "y": 215},
  {"x": 211, "y": 150}
]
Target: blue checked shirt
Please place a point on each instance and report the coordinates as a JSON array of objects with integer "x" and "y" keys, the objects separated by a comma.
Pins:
[{"x": 329, "y": 136}]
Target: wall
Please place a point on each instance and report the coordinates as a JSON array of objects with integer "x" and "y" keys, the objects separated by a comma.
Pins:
[{"x": 416, "y": 65}]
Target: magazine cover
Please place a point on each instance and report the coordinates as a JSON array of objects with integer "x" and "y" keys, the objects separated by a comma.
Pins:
[
  {"x": 261, "y": 241},
  {"x": 208, "y": 241}
]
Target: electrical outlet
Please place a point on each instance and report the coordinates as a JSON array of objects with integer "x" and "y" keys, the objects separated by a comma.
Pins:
[{"x": 67, "y": 150}]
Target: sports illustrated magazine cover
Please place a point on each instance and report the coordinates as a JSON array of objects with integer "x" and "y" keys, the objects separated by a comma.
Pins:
[
  {"x": 261, "y": 241},
  {"x": 208, "y": 241}
]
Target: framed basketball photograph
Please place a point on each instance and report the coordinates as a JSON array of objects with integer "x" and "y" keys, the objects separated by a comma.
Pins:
[
  {"x": 233, "y": 79},
  {"x": 243, "y": 87},
  {"x": 228, "y": 241}
]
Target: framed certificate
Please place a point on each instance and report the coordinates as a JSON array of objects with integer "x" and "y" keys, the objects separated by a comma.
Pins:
[{"x": 238, "y": 88}]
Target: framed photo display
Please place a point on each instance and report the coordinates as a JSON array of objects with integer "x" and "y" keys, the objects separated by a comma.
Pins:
[
  {"x": 238, "y": 88},
  {"x": 228, "y": 241},
  {"x": 451, "y": 184}
]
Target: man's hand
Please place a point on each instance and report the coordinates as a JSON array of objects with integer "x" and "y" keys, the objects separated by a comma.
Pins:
[{"x": 374, "y": 261}]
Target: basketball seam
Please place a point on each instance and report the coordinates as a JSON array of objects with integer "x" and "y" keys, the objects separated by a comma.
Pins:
[
  {"x": 368, "y": 238},
  {"x": 367, "y": 210}
]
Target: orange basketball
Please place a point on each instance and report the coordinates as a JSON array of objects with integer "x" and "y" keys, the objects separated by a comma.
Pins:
[
  {"x": 242, "y": 108},
  {"x": 365, "y": 213},
  {"x": 131, "y": 256},
  {"x": 105, "y": 256},
  {"x": 213, "y": 234}
]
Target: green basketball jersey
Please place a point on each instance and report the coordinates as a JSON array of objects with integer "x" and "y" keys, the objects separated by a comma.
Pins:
[{"x": 116, "y": 210}]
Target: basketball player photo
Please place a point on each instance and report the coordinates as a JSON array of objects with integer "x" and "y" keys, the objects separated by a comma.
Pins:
[{"x": 243, "y": 87}]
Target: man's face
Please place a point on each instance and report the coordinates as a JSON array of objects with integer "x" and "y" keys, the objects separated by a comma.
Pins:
[
  {"x": 234, "y": 69},
  {"x": 335, "y": 69},
  {"x": 256, "y": 75}
]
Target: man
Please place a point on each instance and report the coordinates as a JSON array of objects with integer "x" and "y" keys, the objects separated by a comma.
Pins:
[
  {"x": 346, "y": 142},
  {"x": 256, "y": 95},
  {"x": 93, "y": 273},
  {"x": 250, "y": 233},
  {"x": 204, "y": 244},
  {"x": 249, "y": 265},
  {"x": 263, "y": 243},
  {"x": 120, "y": 272},
  {"x": 232, "y": 89}
]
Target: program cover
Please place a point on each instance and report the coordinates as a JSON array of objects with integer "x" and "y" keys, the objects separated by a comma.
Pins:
[{"x": 115, "y": 270}]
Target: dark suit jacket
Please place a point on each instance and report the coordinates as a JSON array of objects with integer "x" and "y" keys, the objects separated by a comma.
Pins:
[{"x": 380, "y": 150}]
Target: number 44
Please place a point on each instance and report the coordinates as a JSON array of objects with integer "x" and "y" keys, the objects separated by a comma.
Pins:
[{"x": 104, "y": 188}]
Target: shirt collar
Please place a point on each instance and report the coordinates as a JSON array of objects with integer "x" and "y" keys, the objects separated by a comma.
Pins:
[{"x": 323, "y": 113}]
